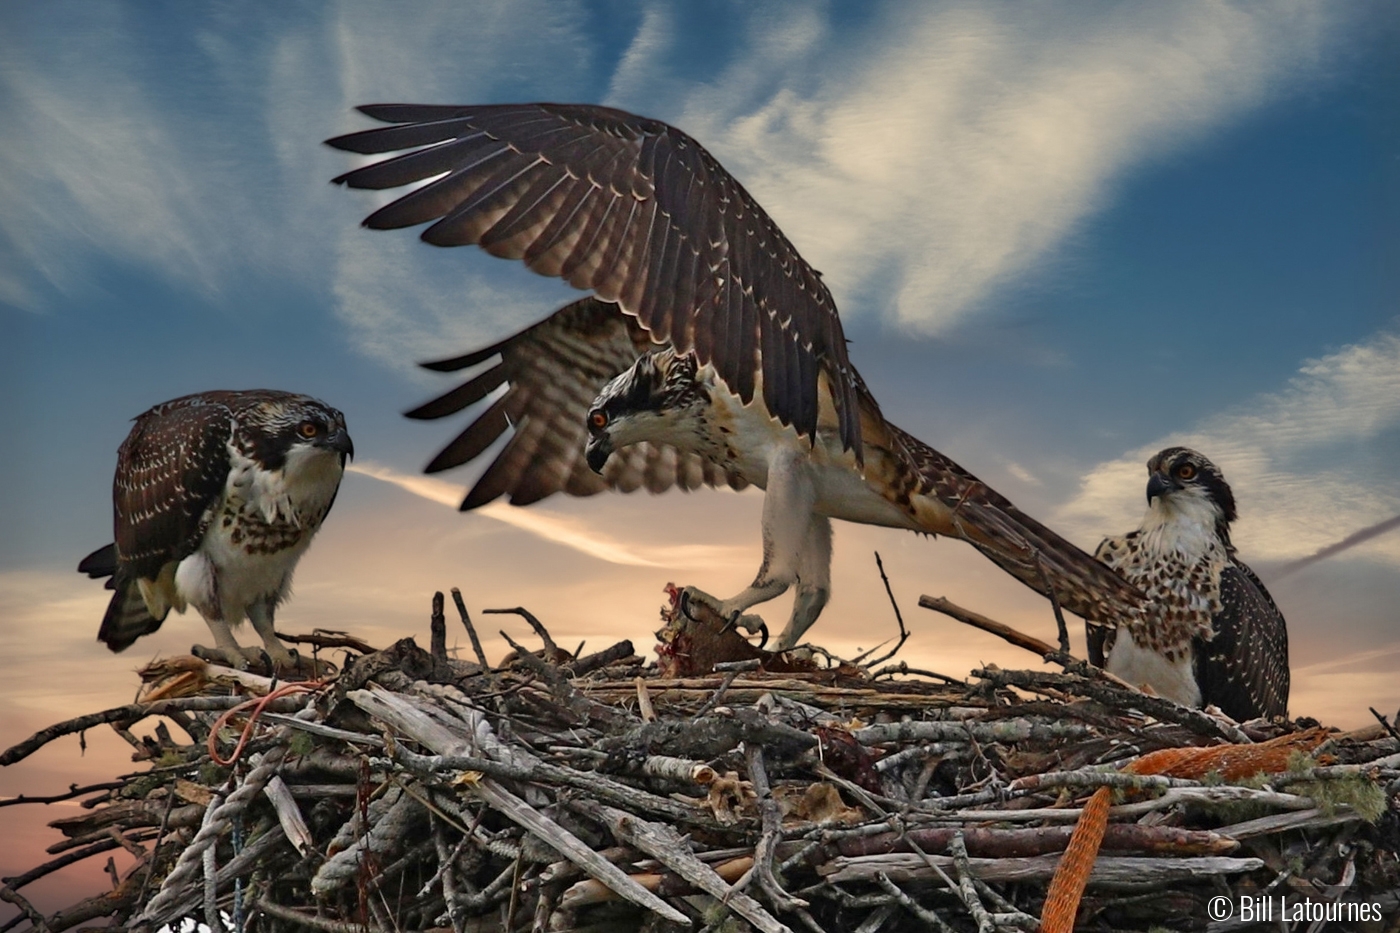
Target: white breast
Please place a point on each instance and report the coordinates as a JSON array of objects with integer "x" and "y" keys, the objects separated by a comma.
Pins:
[
  {"x": 841, "y": 488},
  {"x": 1144, "y": 667},
  {"x": 258, "y": 532}
]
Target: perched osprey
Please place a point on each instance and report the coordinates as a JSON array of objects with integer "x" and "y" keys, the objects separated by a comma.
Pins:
[
  {"x": 1211, "y": 633},
  {"x": 216, "y": 497},
  {"x": 712, "y": 352}
]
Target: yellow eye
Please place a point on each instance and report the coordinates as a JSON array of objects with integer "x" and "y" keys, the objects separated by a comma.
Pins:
[
  {"x": 308, "y": 429},
  {"x": 598, "y": 419},
  {"x": 1185, "y": 471}
]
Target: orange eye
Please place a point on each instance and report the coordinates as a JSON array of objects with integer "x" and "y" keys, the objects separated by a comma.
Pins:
[
  {"x": 308, "y": 429},
  {"x": 1185, "y": 471},
  {"x": 598, "y": 419}
]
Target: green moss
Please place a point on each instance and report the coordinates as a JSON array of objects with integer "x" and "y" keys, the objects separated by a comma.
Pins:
[
  {"x": 301, "y": 744},
  {"x": 1353, "y": 790}
]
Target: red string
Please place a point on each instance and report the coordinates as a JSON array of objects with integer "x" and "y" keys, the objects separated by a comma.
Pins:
[{"x": 258, "y": 704}]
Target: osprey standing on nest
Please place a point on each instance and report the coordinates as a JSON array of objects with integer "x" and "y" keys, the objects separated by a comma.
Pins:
[
  {"x": 712, "y": 353},
  {"x": 1211, "y": 633},
  {"x": 216, "y": 497}
]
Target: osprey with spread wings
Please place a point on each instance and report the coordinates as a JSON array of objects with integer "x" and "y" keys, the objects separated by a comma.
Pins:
[{"x": 712, "y": 352}]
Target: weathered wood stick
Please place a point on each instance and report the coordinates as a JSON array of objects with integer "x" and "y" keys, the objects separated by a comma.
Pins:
[
  {"x": 665, "y": 845},
  {"x": 772, "y": 827},
  {"x": 1118, "y": 697},
  {"x": 36, "y": 919},
  {"x": 1045, "y": 840},
  {"x": 131, "y": 713},
  {"x": 1314, "y": 818},
  {"x": 1225, "y": 793},
  {"x": 977, "y": 620},
  {"x": 310, "y": 921},
  {"x": 437, "y": 628},
  {"x": 678, "y": 769},
  {"x": 289, "y": 815},
  {"x": 323, "y": 638},
  {"x": 587, "y": 709},
  {"x": 551, "y": 650},
  {"x": 471, "y": 630},
  {"x": 598, "y": 659},
  {"x": 73, "y": 791},
  {"x": 1122, "y": 870},
  {"x": 589, "y": 891},
  {"x": 409, "y": 720},
  {"x": 1002, "y": 730}
]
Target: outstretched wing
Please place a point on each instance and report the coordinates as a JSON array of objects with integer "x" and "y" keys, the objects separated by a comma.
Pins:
[
  {"x": 638, "y": 212},
  {"x": 552, "y": 372},
  {"x": 1017, "y": 543},
  {"x": 1244, "y": 668}
]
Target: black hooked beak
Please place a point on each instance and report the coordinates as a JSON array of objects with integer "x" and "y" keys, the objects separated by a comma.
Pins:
[
  {"x": 1159, "y": 485},
  {"x": 339, "y": 441},
  {"x": 597, "y": 452}
]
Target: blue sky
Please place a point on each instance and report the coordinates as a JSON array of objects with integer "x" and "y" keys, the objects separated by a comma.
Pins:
[{"x": 1061, "y": 236}]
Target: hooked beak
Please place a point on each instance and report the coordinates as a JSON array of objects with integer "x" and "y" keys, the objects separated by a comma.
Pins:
[
  {"x": 1159, "y": 485},
  {"x": 597, "y": 452},
  {"x": 340, "y": 442}
]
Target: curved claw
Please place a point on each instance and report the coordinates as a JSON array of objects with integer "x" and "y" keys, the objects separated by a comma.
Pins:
[
  {"x": 234, "y": 659},
  {"x": 683, "y": 604},
  {"x": 763, "y": 630}
]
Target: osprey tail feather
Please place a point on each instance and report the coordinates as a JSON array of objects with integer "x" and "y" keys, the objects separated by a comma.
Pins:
[
  {"x": 1017, "y": 543},
  {"x": 127, "y": 617}
]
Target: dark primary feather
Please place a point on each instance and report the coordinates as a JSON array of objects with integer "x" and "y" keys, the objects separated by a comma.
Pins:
[
  {"x": 1244, "y": 668},
  {"x": 552, "y": 372},
  {"x": 634, "y": 210}
]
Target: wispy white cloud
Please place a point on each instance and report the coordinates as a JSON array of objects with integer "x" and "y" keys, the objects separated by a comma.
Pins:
[
  {"x": 90, "y": 164},
  {"x": 1307, "y": 463},
  {"x": 924, "y": 160},
  {"x": 560, "y": 529}
]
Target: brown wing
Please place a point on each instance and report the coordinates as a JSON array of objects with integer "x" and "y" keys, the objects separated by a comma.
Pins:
[
  {"x": 171, "y": 469},
  {"x": 1244, "y": 668},
  {"x": 552, "y": 372},
  {"x": 638, "y": 212},
  {"x": 1019, "y": 544}
]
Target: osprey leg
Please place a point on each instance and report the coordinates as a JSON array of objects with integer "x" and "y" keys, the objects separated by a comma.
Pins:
[
  {"x": 796, "y": 550},
  {"x": 813, "y": 582},
  {"x": 260, "y": 614},
  {"x": 226, "y": 647}
]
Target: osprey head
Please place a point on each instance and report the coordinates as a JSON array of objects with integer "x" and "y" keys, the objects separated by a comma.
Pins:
[
  {"x": 1177, "y": 474},
  {"x": 658, "y": 399},
  {"x": 290, "y": 431}
]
